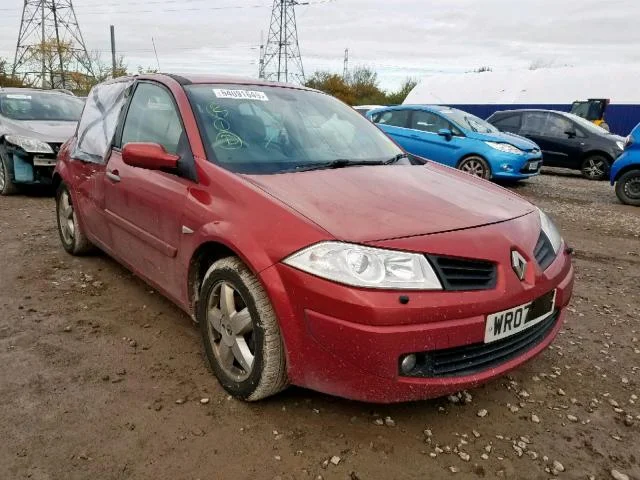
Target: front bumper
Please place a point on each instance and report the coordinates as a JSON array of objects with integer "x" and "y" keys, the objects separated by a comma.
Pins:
[
  {"x": 514, "y": 167},
  {"x": 347, "y": 341}
]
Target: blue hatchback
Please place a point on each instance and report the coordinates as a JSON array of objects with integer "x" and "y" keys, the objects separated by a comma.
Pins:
[
  {"x": 625, "y": 171},
  {"x": 459, "y": 139}
]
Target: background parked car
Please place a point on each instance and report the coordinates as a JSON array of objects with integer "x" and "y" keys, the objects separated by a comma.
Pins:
[
  {"x": 625, "y": 172},
  {"x": 363, "y": 109},
  {"x": 459, "y": 139},
  {"x": 566, "y": 140},
  {"x": 33, "y": 126}
]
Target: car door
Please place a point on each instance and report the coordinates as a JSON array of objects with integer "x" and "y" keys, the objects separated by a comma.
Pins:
[
  {"x": 567, "y": 140},
  {"x": 144, "y": 207},
  {"x": 395, "y": 123},
  {"x": 425, "y": 141},
  {"x": 535, "y": 128}
]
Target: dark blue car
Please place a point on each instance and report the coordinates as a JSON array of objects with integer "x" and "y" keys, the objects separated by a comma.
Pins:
[
  {"x": 625, "y": 171},
  {"x": 460, "y": 140}
]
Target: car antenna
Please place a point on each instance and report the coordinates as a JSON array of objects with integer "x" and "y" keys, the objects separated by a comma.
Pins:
[{"x": 156, "y": 52}]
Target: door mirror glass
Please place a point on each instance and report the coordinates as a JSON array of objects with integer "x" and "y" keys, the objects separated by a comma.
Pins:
[
  {"x": 151, "y": 156},
  {"x": 446, "y": 133}
]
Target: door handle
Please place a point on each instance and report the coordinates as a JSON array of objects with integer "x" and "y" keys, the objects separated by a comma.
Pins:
[{"x": 113, "y": 176}]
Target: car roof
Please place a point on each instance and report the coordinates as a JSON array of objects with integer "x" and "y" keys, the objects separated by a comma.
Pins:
[
  {"x": 522, "y": 110},
  {"x": 200, "y": 78},
  {"x": 431, "y": 108}
]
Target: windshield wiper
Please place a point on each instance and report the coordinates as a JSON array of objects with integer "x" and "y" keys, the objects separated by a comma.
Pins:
[
  {"x": 338, "y": 163},
  {"x": 398, "y": 157}
]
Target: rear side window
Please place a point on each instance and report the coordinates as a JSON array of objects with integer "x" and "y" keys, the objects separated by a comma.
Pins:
[
  {"x": 508, "y": 123},
  {"x": 558, "y": 126},
  {"x": 535, "y": 123},
  {"x": 152, "y": 117},
  {"x": 394, "y": 118},
  {"x": 428, "y": 122}
]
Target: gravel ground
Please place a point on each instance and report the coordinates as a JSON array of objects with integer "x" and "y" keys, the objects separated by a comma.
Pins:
[{"x": 101, "y": 377}]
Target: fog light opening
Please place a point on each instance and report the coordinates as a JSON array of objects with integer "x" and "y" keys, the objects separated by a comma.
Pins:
[
  {"x": 408, "y": 363},
  {"x": 506, "y": 167}
]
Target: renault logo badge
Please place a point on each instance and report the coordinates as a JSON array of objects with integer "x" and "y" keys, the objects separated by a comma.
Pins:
[{"x": 519, "y": 264}]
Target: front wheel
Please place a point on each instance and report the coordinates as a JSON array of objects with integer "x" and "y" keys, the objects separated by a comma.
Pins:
[
  {"x": 72, "y": 237},
  {"x": 240, "y": 331},
  {"x": 595, "y": 167},
  {"x": 628, "y": 188},
  {"x": 476, "y": 166}
]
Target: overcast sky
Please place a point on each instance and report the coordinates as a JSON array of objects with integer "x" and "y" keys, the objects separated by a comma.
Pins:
[{"x": 397, "y": 37}]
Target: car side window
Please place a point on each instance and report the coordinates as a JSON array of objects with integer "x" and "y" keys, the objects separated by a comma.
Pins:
[
  {"x": 428, "y": 122},
  {"x": 508, "y": 123},
  {"x": 535, "y": 123},
  {"x": 394, "y": 118},
  {"x": 152, "y": 117},
  {"x": 558, "y": 126}
]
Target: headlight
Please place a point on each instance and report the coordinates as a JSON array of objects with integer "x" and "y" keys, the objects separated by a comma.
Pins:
[
  {"x": 620, "y": 144},
  {"x": 366, "y": 266},
  {"x": 28, "y": 144},
  {"x": 504, "y": 147},
  {"x": 550, "y": 230}
]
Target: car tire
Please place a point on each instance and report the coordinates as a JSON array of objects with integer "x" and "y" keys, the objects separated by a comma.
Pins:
[
  {"x": 240, "y": 332},
  {"x": 628, "y": 188},
  {"x": 72, "y": 237},
  {"x": 7, "y": 187},
  {"x": 595, "y": 167},
  {"x": 476, "y": 166}
]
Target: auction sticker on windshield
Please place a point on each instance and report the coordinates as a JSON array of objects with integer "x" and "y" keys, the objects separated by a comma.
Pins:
[
  {"x": 240, "y": 94},
  {"x": 514, "y": 320}
]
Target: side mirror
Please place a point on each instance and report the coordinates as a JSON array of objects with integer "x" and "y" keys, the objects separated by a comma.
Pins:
[
  {"x": 151, "y": 156},
  {"x": 571, "y": 133},
  {"x": 446, "y": 133}
]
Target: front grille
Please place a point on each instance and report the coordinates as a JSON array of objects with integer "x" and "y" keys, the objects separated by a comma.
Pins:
[
  {"x": 464, "y": 274},
  {"x": 543, "y": 252},
  {"x": 470, "y": 359}
]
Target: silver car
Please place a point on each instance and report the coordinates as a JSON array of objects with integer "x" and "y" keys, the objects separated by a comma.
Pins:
[{"x": 33, "y": 125}]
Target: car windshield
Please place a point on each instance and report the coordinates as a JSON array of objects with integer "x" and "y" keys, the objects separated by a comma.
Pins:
[
  {"x": 263, "y": 129},
  {"x": 40, "y": 106},
  {"x": 587, "y": 125},
  {"x": 468, "y": 121}
]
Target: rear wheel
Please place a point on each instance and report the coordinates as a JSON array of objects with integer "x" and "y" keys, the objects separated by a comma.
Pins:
[
  {"x": 628, "y": 188},
  {"x": 595, "y": 167},
  {"x": 72, "y": 237},
  {"x": 476, "y": 166},
  {"x": 240, "y": 331},
  {"x": 7, "y": 187}
]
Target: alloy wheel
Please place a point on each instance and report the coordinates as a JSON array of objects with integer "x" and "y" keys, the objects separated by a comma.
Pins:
[
  {"x": 230, "y": 329},
  {"x": 595, "y": 168},
  {"x": 474, "y": 167},
  {"x": 66, "y": 216}
]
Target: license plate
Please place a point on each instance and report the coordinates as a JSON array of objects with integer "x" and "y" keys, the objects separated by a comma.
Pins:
[
  {"x": 514, "y": 320},
  {"x": 534, "y": 165},
  {"x": 44, "y": 162}
]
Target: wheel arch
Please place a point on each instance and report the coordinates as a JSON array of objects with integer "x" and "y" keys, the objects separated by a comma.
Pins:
[
  {"x": 202, "y": 258},
  {"x": 591, "y": 153},
  {"x": 626, "y": 169}
]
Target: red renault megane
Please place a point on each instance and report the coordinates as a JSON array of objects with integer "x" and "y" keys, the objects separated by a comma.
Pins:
[{"x": 310, "y": 248}]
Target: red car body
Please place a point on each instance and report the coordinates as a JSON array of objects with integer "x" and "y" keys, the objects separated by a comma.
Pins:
[{"x": 339, "y": 339}]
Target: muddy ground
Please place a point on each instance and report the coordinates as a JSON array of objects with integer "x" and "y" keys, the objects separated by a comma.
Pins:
[{"x": 101, "y": 378}]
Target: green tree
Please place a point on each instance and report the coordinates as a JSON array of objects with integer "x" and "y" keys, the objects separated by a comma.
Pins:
[
  {"x": 397, "y": 97},
  {"x": 332, "y": 84},
  {"x": 6, "y": 79},
  {"x": 363, "y": 81}
]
